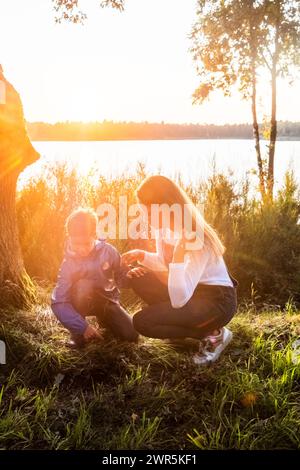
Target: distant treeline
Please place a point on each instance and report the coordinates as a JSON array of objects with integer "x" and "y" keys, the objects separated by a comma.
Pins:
[{"x": 110, "y": 130}]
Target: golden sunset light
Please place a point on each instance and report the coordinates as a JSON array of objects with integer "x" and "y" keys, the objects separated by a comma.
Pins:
[
  {"x": 123, "y": 66},
  {"x": 149, "y": 233}
]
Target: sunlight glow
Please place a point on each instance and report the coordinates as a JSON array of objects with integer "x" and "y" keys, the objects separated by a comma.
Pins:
[{"x": 132, "y": 66}]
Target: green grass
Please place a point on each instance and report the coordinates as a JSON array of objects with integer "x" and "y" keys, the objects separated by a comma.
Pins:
[{"x": 149, "y": 395}]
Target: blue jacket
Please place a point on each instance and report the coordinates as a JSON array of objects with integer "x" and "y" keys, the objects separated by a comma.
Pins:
[{"x": 102, "y": 266}]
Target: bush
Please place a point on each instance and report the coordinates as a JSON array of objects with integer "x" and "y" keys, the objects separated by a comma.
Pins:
[{"x": 262, "y": 240}]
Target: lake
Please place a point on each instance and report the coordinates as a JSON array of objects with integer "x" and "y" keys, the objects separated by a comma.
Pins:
[{"x": 193, "y": 159}]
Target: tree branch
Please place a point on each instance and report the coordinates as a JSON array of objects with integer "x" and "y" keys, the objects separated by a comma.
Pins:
[{"x": 266, "y": 62}]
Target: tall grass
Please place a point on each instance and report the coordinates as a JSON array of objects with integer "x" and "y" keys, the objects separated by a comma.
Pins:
[{"x": 263, "y": 241}]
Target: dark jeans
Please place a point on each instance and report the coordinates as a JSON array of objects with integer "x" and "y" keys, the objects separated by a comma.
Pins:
[
  {"x": 211, "y": 307},
  {"x": 87, "y": 300}
]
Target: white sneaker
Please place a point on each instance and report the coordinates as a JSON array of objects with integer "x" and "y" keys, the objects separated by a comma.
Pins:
[
  {"x": 296, "y": 352},
  {"x": 207, "y": 354}
]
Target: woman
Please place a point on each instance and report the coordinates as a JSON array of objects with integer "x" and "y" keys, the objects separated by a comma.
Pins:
[{"x": 187, "y": 287}]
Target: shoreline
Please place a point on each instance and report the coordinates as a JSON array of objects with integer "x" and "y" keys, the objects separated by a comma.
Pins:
[{"x": 280, "y": 139}]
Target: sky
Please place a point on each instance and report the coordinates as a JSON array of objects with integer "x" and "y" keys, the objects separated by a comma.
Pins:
[{"x": 129, "y": 66}]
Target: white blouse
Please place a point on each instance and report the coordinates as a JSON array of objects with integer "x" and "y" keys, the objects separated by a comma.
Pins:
[{"x": 199, "y": 266}]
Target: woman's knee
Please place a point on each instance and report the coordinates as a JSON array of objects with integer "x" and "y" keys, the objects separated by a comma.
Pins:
[{"x": 149, "y": 288}]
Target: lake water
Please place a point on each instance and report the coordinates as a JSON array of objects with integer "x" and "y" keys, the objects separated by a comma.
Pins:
[{"x": 192, "y": 159}]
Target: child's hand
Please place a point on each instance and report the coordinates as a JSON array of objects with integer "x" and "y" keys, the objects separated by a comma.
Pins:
[
  {"x": 132, "y": 256},
  {"x": 136, "y": 272},
  {"x": 91, "y": 333}
]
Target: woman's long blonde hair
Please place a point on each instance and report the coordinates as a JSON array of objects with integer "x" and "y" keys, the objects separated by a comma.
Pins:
[{"x": 158, "y": 189}]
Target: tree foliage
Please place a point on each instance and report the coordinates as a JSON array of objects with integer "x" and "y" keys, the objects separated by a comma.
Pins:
[
  {"x": 233, "y": 40},
  {"x": 69, "y": 10}
]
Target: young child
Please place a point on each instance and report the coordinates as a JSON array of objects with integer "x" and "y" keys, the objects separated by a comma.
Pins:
[{"x": 88, "y": 283}]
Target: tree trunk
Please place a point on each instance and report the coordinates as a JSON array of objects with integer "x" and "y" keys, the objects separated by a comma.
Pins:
[
  {"x": 256, "y": 135},
  {"x": 12, "y": 272},
  {"x": 273, "y": 123},
  {"x": 16, "y": 152}
]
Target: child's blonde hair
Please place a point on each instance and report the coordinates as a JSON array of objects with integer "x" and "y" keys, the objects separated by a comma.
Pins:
[
  {"x": 158, "y": 189},
  {"x": 82, "y": 221}
]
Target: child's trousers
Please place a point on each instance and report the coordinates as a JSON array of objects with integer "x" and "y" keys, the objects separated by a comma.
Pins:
[{"x": 88, "y": 300}]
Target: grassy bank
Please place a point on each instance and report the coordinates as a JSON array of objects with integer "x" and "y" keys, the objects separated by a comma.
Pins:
[{"x": 149, "y": 395}]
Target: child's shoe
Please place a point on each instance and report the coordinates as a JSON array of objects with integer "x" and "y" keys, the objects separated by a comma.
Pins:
[{"x": 76, "y": 342}]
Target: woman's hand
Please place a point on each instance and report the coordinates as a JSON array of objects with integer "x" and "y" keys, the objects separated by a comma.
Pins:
[
  {"x": 132, "y": 256},
  {"x": 136, "y": 272},
  {"x": 181, "y": 248}
]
